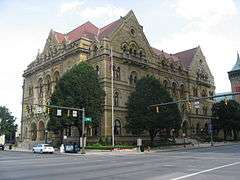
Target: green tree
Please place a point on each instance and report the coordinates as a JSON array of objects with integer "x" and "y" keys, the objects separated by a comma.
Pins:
[
  {"x": 7, "y": 126},
  {"x": 227, "y": 117},
  {"x": 79, "y": 87},
  {"x": 142, "y": 118}
]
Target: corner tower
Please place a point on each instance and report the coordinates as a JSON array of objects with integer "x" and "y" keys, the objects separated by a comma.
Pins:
[{"x": 234, "y": 77}]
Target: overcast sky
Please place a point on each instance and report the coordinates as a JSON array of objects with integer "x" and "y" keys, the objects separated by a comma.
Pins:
[{"x": 171, "y": 25}]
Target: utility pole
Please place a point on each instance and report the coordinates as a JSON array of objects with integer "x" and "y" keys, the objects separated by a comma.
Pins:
[{"x": 83, "y": 132}]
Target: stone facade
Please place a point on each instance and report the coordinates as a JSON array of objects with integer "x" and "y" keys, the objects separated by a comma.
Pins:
[
  {"x": 184, "y": 74},
  {"x": 234, "y": 77}
]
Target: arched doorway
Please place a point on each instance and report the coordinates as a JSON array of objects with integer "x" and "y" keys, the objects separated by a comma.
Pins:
[
  {"x": 33, "y": 131},
  {"x": 41, "y": 129}
]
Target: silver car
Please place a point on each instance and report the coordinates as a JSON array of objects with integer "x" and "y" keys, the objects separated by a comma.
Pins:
[{"x": 43, "y": 148}]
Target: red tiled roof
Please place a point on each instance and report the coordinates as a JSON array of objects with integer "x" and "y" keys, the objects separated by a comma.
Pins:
[
  {"x": 167, "y": 56},
  {"x": 59, "y": 36},
  {"x": 109, "y": 29},
  {"x": 87, "y": 30},
  {"x": 186, "y": 57}
]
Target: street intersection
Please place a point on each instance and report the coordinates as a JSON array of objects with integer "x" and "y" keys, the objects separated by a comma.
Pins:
[{"x": 205, "y": 163}]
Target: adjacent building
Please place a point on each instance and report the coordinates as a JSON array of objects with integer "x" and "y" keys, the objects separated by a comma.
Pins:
[
  {"x": 234, "y": 77},
  {"x": 184, "y": 74}
]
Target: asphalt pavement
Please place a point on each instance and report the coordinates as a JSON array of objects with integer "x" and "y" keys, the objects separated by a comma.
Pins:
[{"x": 211, "y": 163}]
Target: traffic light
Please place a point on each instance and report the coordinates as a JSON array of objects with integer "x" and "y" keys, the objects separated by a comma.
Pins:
[
  {"x": 225, "y": 101},
  {"x": 157, "y": 109},
  {"x": 47, "y": 110}
]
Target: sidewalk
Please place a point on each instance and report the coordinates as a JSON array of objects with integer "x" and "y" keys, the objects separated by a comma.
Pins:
[{"x": 134, "y": 150}]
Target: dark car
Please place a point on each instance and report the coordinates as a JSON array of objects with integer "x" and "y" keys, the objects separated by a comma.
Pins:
[
  {"x": 71, "y": 148},
  {"x": 2, "y": 146}
]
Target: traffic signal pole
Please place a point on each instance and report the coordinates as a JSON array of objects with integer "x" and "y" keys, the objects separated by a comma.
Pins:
[
  {"x": 188, "y": 100},
  {"x": 73, "y": 109}
]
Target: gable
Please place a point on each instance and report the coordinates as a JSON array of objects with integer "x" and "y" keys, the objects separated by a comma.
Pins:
[
  {"x": 199, "y": 67},
  {"x": 130, "y": 33}
]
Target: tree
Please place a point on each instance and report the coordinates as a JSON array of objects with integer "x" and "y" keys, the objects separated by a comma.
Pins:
[
  {"x": 227, "y": 117},
  {"x": 142, "y": 118},
  {"x": 79, "y": 87},
  {"x": 7, "y": 126}
]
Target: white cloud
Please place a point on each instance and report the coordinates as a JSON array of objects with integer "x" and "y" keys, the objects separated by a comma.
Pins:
[
  {"x": 97, "y": 12},
  {"x": 72, "y": 7},
  {"x": 103, "y": 11},
  {"x": 205, "y": 13}
]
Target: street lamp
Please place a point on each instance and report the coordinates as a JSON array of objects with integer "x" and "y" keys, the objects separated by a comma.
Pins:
[{"x": 46, "y": 134}]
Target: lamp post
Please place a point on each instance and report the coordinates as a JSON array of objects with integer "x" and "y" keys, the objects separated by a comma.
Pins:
[{"x": 46, "y": 134}]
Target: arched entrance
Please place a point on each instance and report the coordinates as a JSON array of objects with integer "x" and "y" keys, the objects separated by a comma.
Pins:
[
  {"x": 41, "y": 129},
  {"x": 33, "y": 131}
]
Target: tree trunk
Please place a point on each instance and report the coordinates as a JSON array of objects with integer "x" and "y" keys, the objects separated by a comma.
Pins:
[
  {"x": 152, "y": 135},
  {"x": 61, "y": 136},
  {"x": 225, "y": 134},
  {"x": 234, "y": 134}
]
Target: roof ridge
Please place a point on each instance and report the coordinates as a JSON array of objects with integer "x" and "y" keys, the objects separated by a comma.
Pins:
[
  {"x": 87, "y": 22},
  {"x": 187, "y": 50}
]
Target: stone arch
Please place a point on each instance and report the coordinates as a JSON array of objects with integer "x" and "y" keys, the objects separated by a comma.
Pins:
[
  {"x": 97, "y": 70},
  {"x": 41, "y": 130},
  {"x": 33, "y": 131},
  {"x": 116, "y": 98},
  {"x": 165, "y": 84},
  {"x": 56, "y": 77},
  {"x": 182, "y": 91},
  {"x": 117, "y": 127},
  {"x": 124, "y": 47},
  {"x": 133, "y": 77}
]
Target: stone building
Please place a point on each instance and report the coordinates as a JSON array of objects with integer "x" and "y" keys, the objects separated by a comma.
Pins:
[
  {"x": 184, "y": 74},
  {"x": 234, "y": 77}
]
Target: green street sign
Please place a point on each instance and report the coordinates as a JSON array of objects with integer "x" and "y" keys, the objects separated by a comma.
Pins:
[{"x": 88, "y": 119}]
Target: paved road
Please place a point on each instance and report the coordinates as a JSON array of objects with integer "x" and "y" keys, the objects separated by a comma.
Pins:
[{"x": 219, "y": 163}]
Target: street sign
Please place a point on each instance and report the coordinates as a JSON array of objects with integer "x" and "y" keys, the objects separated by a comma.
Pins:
[
  {"x": 74, "y": 113},
  {"x": 88, "y": 119},
  {"x": 210, "y": 129}
]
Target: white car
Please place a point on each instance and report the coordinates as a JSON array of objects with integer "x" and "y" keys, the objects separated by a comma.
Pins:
[{"x": 43, "y": 148}]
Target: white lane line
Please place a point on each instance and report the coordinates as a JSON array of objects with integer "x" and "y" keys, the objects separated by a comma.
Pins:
[{"x": 204, "y": 171}]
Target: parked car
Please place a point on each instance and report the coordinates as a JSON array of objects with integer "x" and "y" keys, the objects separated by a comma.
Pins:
[
  {"x": 71, "y": 148},
  {"x": 43, "y": 148},
  {"x": 2, "y": 147}
]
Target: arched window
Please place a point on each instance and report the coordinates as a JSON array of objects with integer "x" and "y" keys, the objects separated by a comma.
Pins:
[
  {"x": 116, "y": 99},
  {"x": 204, "y": 93},
  {"x": 165, "y": 84},
  {"x": 174, "y": 89},
  {"x": 97, "y": 70},
  {"x": 117, "y": 127},
  {"x": 48, "y": 86},
  {"x": 195, "y": 92},
  {"x": 56, "y": 77},
  {"x": 118, "y": 73},
  {"x": 182, "y": 91},
  {"x": 124, "y": 48},
  {"x": 140, "y": 54},
  {"x": 133, "y": 78},
  {"x": 40, "y": 86},
  {"x": 114, "y": 72}
]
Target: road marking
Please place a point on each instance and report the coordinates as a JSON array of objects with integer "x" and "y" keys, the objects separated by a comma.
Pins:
[{"x": 204, "y": 171}]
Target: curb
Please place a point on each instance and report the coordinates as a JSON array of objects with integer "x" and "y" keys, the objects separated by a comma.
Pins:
[{"x": 190, "y": 148}]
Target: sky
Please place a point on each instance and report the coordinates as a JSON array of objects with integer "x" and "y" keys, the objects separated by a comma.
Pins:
[{"x": 171, "y": 25}]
